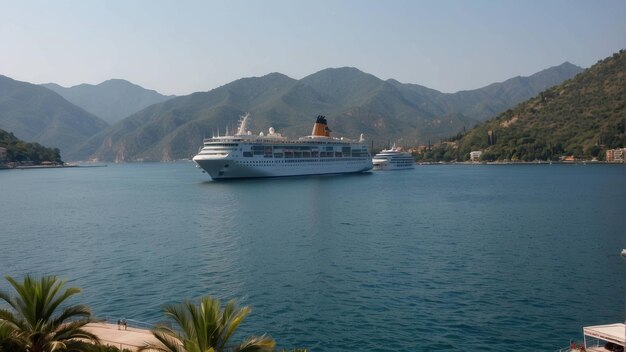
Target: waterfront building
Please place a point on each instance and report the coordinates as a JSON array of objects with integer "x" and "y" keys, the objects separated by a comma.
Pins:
[
  {"x": 475, "y": 155},
  {"x": 616, "y": 155},
  {"x": 3, "y": 153}
]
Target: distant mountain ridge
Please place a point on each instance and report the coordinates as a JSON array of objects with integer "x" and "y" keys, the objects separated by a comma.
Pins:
[
  {"x": 111, "y": 100},
  {"x": 37, "y": 114},
  {"x": 354, "y": 102},
  {"x": 480, "y": 104}
]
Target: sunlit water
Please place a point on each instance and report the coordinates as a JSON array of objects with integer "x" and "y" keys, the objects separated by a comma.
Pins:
[{"x": 458, "y": 258}]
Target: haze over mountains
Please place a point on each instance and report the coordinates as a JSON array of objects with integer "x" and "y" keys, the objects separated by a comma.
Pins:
[
  {"x": 110, "y": 100},
  {"x": 37, "y": 114},
  {"x": 354, "y": 102}
]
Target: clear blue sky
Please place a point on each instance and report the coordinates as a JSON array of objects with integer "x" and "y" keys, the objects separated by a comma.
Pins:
[{"x": 179, "y": 47}]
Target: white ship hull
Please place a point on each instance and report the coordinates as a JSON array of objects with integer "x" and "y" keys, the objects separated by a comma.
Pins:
[
  {"x": 227, "y": 168},
  {"x": 386, "y": 165}
]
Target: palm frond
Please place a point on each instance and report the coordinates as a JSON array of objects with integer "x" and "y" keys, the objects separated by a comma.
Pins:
[
  {"x": 256, "y": 344},
  {"x": 52, "y": 300},
  {"x": 33, "y": 311},
  {"x": 11, "y": 318},
  {"x": 82, "y": 346},
  {"x": 232, "y": 318},
  {"x": 181, "y": 316},
  {"x": 74, "y": 330},
  {"x": 8, "y": 299},
  {"x": 9, "y": 337},
  {"x": 209, "y": 313},
  {"x": 205, "y": 327},
  {"x": 170, "y": 342},
  {"x": 72, "y": 312}
]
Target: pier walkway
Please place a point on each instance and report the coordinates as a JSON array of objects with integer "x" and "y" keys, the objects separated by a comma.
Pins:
[{"x": 111, "y": 334}]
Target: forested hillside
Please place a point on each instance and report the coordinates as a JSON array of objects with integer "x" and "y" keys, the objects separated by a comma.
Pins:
[
  {"x": 37, "y": 114},
  {"x": 353, "y": 101},
  {"x": 582, "y": 118},
  {"x": 20, "y": 151}
]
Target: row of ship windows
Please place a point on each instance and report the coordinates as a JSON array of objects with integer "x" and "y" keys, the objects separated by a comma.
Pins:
[
  {"x": 269, "y": 148},
  {"x": 296, "y": 161},
  {"x": 307, "y": 154},
  {"x": 211, "y": 143}
]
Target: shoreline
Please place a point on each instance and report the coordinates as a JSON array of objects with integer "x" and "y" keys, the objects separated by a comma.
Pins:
[
  {"x": 519, "y": 163},
  {"x": 30, "y": 167}
]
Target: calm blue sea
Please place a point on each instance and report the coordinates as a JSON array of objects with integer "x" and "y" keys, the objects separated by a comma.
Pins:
[{"x": 451, "y": 258}]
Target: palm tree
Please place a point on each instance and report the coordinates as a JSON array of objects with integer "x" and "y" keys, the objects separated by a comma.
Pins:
[
  {"x": 206, "y": 328},
  {"x": 7, "y": 337},
  {"x": 34, "y": 324}
]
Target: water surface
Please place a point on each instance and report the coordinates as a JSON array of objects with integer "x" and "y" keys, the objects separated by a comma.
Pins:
[{"x": 457, "y": 258}]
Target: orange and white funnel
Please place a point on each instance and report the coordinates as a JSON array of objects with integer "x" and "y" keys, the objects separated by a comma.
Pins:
[{"x": 321, "y": 127}]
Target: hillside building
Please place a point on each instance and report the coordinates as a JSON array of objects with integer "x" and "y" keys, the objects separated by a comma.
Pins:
[
  {"x": 475, "y": 155},
  {"x": 616, "y": 155},
  {"x": 3, "y": 153}
]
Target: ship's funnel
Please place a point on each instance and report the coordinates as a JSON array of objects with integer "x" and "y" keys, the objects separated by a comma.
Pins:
[{"x": 321, "y": 127}]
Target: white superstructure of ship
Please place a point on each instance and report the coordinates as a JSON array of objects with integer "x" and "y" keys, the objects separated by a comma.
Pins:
[
  {"x": 393, "y": 159},
  {"x": 247, "y": 155}
]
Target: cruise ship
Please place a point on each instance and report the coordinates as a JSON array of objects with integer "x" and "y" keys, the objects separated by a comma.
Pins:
[
  {"x": 246, "y": 155},
  {"x": 393, "y": 159}
]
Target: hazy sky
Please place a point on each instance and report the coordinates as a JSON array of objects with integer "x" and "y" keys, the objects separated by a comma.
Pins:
[{"x": 179, "y": 47}]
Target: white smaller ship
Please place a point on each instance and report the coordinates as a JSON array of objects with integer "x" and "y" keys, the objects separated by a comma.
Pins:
[{"x": 393, "y": 159}]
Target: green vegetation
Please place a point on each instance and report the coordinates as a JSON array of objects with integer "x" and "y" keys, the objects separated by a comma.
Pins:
[
  {"x": 206, "y": 327},
  {"x": 355, "y": 102},
  {"x": 582, "y": 118},
  {"x": 19, "y": 151},
  {"x": 35, "y": 321},
  {"x": 445, "y": 152},
  {"x": 164, "y": 128}
]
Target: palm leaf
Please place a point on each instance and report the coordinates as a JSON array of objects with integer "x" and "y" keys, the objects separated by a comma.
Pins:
[
  {"x": 169, "y": 342},
  {"x": 205, "y": 327},
  {"x": 256, "y": 344},
  {"x": 35, "y": 319}
]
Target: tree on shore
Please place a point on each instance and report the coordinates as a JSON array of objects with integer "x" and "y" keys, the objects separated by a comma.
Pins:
[
  {"x": 35, "y": 321},
  {"x": 206, "y": 327},
  {"x": 19, "y": 151}
]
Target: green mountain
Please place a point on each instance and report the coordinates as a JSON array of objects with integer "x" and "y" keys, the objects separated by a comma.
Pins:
[
  {"x": 37, "y": 114},
  {"x": 354, "y": 102},
  {"x": 582, "y": 117},
  {"x": 175, "y": 128},
  {"x": 18, "y": 151},
  {"x": 110, "y": 100}
]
